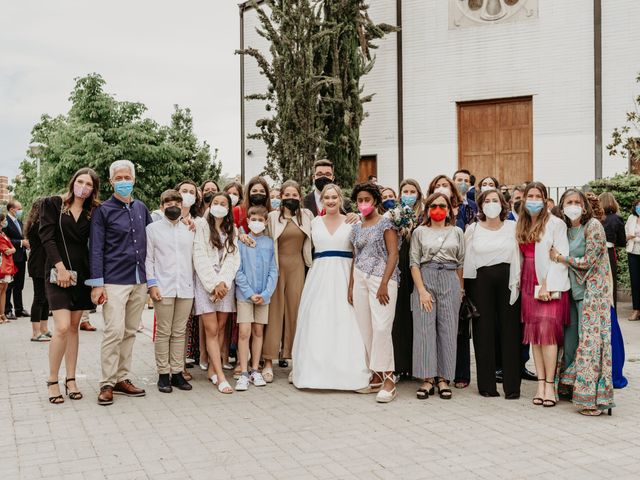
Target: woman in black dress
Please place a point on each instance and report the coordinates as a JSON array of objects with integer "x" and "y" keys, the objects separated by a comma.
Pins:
[
  {"x": 64, "y": 232},
  {"x": 616, "y": 236},
  {"x": 35, "y": 265}
]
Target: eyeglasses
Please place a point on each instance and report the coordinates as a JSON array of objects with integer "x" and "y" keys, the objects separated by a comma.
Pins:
[{"x": 437, "y": 205}]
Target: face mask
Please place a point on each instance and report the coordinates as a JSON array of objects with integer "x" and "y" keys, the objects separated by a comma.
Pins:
[
  {"x": 534, "y": 206},
  {"x": 573, "y": 212},
  {"x": 18, "y": 214},
  {"x": 366, "y": 209},
  {"x": 4, "y": 224},
  {"x": 389, "y": 204},
  {"x": 443, "y": 190},
  {"x": 438, "y": 214},
  {"x": 638, "y": 210},
  {"x": 409, "y": 200},
  {"x": 486, "y": 188},
  {"x": 123, "y": 188},
  {"x": 82, "y": 191},
  {"x": 258, "y": 199},
  {"x": 207, "y": 197},
  {"x": 322, "y": 182},
  {"x": 234, "y": 199},
  {"x": 256, "y": 227},
  {"x": 218, "y": 211},
  {"x": 173, "y": 212},
  {"x": 188, "y": 199},
  {"x": 292, "y": 204},
  {"x": 492, "y": 210},
  {"x": 516, "y": 205},
  {"x": 462, "y": 187},
  {"x": 275, "y": 203}
]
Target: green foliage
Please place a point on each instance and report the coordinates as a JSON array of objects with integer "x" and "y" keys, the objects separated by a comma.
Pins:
[
  {"x": 625, "y": 141},
  {"x": 626, "y": 189},
  {"x": 100, "y": 129},
  {"x": 319, "y": 49}
]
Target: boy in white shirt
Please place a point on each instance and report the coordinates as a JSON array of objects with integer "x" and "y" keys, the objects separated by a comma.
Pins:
[{"x": 169, "y": 269}]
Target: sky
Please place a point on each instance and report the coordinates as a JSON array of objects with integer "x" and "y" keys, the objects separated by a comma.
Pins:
[{"x": 157, "y": 52}]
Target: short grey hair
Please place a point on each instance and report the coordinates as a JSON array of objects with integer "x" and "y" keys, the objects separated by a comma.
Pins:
[{"x": 118, "y": 164}]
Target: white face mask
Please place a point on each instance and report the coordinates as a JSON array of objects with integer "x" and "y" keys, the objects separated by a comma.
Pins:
[
  {"x": 188, "y": 199},
  {"x": 573, "y": 212},
  {"x": 218, "y": 211},
  {"x": 257, "y": 227},
  {"x": 443, "y": 190},
  {"x": 234, "y": 199},
  {"x": 492, "y": 210},
  {"x": 486, "y": 188}
]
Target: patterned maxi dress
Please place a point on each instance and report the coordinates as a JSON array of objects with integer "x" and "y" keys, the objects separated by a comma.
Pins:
[{"x": 589, "y": 377}]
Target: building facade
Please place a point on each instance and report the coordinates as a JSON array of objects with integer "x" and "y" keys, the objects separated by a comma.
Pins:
[{"x": 516, "y": 89}]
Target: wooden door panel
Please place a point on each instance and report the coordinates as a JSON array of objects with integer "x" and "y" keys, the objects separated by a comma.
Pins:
[{"x": 368, "y": 166}]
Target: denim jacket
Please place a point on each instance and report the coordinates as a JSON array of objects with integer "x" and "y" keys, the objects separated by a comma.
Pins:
[{"x": 258, "y": 273}]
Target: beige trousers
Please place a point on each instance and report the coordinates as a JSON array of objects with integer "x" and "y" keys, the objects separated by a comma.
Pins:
[
  {"x": 375, "y": 320},
  {"x": 172, "y": 315},
  {"x": 122, "y": 314}
]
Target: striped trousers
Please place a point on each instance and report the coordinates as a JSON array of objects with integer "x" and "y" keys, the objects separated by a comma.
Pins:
[{"x": 435, "y": 332}]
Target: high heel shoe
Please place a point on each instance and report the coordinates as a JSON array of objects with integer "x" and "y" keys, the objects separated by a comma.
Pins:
[
  {"x": 546, "y": 402},
  {"x": 58, "y": 399},
  {"x": 538, "y": 400},
  {"x": 71, "y": 395}
]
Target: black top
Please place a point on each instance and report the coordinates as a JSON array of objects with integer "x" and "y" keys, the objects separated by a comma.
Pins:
[
  {"x": 35, "y": 263},
  {"x": 76, "y": 236},
  {"x": 614, "y": 229},
  {"x": 15, "y": 235}
]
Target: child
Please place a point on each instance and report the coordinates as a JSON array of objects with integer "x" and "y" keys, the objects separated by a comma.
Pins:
[
  {"x": 255, "y": 283},
  {"x": 170, "y": 280}
]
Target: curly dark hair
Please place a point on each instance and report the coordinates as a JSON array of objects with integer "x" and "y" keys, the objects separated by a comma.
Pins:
[
  {"x": 227, "y": 227},
  {"x": 370, "y": 188},
  {"x": 34, "y": 215}
]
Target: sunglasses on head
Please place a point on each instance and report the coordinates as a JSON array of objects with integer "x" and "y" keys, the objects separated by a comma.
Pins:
[{"x": 437, "y": 205}]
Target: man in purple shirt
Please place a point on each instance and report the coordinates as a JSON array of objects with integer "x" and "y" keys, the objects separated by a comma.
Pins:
[{"x": 118, "y": 249}]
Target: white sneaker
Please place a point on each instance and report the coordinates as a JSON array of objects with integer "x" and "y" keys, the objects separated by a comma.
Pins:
[
  {"x": 257, "y": 379},
  {"x": 242, "y": 384}
]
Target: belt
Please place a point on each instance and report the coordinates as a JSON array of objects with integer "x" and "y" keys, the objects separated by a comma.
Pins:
[
  {"x": 440, "y": 266},
  {"x": 332, "y": 253}
]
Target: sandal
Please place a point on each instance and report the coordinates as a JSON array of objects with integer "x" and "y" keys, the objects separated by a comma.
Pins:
[
  {"x": 590, "y": 412},
  {"x": 187, "y": 376},
  {"x": 267, "y": 374},
  {"x": 546, "y": 402},
  {"x": 372, "y": 387},
  {"x": 224, "y": 387},
  {"x": 213, "y": 379},
  {"x": 423, "y": 393},
  {"x": 386, "y": 396},
  {"x": 58, "y": 399},
  {"x": 538, "y": 400},
  {"x": 72, "y": 395},
  {"x": 444, "y": 393},
  {"x": 40, "y": 338},
  {"x": 463, "y": 384}
]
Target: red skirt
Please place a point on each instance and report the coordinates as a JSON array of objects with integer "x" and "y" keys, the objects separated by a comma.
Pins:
[{"x": 543, "y": 322}]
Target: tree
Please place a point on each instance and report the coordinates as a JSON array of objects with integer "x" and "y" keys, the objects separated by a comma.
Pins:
[
  {"x": 625, "y": 141},
  {"x": 99, "y": 129},
  {"x": 319, "y": 49}
]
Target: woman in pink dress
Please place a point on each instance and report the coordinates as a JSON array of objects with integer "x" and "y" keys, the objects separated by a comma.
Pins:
[{"x": 544, "y": 286}]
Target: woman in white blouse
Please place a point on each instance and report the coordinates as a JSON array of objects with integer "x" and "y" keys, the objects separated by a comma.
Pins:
[
  {"x": 492, "y": 277},
  {"x": 632, "y": 229}
]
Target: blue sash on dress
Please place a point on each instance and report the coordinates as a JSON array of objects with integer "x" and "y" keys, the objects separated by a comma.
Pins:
[{"x": 332, "y": 253}]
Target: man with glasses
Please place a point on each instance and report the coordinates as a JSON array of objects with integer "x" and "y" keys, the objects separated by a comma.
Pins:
[{"x": 322, "y": 176}]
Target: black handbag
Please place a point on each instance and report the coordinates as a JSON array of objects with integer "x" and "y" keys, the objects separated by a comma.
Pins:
[{"x": 468, "y": 312}]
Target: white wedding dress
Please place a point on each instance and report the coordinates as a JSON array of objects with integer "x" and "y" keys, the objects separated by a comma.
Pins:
[{"x": 328, "y": 351}]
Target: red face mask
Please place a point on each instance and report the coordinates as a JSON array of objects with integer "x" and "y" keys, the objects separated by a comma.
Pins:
[{"x": 438, "y": 214}]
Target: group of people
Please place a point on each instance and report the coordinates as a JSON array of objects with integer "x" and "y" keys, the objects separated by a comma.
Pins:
[{"x": 354, "y": 293}]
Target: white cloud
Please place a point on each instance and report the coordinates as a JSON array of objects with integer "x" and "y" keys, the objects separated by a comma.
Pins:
[{"x": 156, "y": 52}]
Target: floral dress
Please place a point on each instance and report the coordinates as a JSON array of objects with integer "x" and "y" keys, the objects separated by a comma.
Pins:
[{"x": 589, "y": 377}]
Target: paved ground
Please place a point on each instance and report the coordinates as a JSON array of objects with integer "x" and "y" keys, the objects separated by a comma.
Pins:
[{"x": 278, "y": 432}]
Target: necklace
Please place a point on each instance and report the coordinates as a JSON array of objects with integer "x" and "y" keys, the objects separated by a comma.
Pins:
[{"x": 575, "y": 232}]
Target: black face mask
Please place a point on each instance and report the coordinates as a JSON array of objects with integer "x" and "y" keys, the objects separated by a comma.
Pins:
[
  {"x": 292, "y": 204},
  {"x": 208, "y": 197},
  {"x": 172, "y": 213},
  {"x": 258, "y": 199},
  {"x": 516, "y": 205},
  {"x": 322, "y": 182}
]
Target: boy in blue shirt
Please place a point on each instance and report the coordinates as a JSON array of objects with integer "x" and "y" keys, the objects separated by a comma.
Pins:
[{"x": 255, "y": 283}]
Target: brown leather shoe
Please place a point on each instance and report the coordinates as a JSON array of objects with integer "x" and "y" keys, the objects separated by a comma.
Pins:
[
  {"x": 106, "y": 395},
  {"x": 125, "y": 387},
  {"x": 87, "y": 326}
]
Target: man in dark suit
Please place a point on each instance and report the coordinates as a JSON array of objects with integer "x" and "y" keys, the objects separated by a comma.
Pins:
[
  {"x": 13, "y": 230},
  {"x": 322, "y": 176}
]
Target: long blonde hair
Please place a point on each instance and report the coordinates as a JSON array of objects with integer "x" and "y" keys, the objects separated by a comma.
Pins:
[{"x": 528, "y": 231}]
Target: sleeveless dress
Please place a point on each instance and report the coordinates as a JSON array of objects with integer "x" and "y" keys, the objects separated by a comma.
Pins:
[
  {"x": 328, "y": 351},
  {"x": 543, "y": 322}
]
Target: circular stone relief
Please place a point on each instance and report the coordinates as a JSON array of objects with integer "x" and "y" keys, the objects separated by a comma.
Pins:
[{"x": 490, "y": 10}]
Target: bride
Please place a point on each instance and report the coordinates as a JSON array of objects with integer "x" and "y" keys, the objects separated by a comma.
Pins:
[{"x": 328, "y": 351}]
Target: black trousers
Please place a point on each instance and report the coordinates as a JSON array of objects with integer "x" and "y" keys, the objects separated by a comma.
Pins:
[
  {"x": 634, "y": 273},
  {"x": 40, "y": 306},
  {"x": 490, "y": 293},
  {"x": 15, "y": 289}
]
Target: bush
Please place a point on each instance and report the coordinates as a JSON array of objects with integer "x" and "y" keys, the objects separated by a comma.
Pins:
[{"x": 626, "y": 189}]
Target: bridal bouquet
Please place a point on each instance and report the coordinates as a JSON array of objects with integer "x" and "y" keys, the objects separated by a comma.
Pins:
[{"x": 404, "y": 218}]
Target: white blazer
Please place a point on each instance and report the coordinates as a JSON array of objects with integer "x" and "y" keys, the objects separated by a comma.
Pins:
[
  {"x": 630, "y": 229},
  {"x": 205, "y": 258},
  {"x": 556, "y": 274}
]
